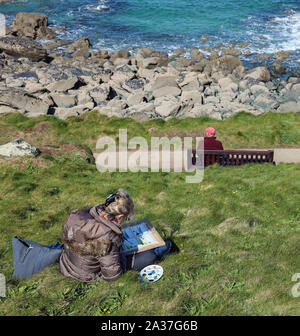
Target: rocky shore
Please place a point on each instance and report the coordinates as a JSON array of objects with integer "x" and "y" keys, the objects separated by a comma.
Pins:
[{"x": 65, "y": 78}]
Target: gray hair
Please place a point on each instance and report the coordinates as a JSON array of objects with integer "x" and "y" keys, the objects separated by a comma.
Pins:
[{"x": 123, "y": 205}]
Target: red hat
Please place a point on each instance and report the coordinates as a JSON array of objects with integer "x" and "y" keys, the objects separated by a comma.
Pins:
[{"x": 210, "y": 131}]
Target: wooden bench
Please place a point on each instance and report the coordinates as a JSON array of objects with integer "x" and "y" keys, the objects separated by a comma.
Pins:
[{"x": 233, "y": 157}]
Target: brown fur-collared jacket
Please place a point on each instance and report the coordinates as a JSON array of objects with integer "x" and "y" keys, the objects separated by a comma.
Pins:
[{"x": 91, "y": 247}]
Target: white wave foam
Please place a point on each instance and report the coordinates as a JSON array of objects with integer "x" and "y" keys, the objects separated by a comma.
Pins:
[
  {"x": 102, "y": 6},
  {"x": 287, "y": 31}
]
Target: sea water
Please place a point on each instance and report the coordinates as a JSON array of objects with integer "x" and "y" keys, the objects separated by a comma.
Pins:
[{"x": 269, "y": 25}]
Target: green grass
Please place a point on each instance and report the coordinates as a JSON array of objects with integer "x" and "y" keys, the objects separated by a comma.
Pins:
[
  {"x": 238, "y": 230},
  {"x": 241, "y": 130}
]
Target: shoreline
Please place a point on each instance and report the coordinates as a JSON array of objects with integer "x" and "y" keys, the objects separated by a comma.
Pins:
[{"x": 142, "y": 84}]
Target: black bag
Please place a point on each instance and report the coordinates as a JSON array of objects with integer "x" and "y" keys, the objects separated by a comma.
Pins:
[{"x": 30, "y": 257}]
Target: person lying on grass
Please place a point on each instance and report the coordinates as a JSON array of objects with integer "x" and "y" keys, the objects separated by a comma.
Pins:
[{"x": 93, "y": 238}]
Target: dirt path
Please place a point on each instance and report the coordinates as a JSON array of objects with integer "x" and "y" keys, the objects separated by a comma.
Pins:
[
  {"x": 287, "y": 155},
  {"x": 155, "y": 160}
]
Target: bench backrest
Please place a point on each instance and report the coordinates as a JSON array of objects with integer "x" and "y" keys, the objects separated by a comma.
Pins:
[{"x": 226, "y": 157}]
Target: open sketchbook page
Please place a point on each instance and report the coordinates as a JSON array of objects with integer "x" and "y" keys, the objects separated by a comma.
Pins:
[{"x": 137, "y": 235}]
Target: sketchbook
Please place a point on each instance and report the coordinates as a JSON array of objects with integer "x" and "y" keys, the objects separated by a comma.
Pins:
[{"x": 140, "y": 236}]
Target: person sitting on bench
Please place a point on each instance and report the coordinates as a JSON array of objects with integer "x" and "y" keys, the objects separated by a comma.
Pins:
[{"x": 210, "y": 140}]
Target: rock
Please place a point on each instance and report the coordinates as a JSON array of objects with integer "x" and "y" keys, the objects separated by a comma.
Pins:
[
  {"x": 261, "y": 74},
  {"x": 134, "y": 84},
  {"x": 120, "y": 54},
  {"x": 207, "y": 110},
  {"x": 21, "y": 100},
  {"x": 243, "y": 44},
  {"x": 148, "y": 52},
  {"x": 167, "y": 106},
  {"x": 119, "y": 103},
  {"x": 185, "y": 62},
  {"x": 83, "y": 43},
  {"x": 293, "y": 79},
  {"x": 239, "y": 72},
  {"x": 136, "y": 98},
  {"x": 279, "y": 68},
  {"x": 167, "y": 91},
  {"x": 33, "y": 87},
  {"x": 290, "y": 106},
  {"x": 32, "y": 25},
  {"x": 122, "y": 74},
  {"x": 212, "y": 100},
  {"x": 266, "y": 102},
  {"x": 264, "y": 56},
  {"x": 228, "y": 95},
  {"x": 178, "y": 52},
  {"x": 191, "y": 97},
  {"x": 7, "y": 109},
  {"x": 18, "y": 147},
  {"x": 162, "y": 81},
  {"x": 227, "y": 64},
  {"x": 290, "y": 93},
  {"x": 282, "y": 55},
  {"x": 213, "y": 56},
  {"x": 103, "y": 54},
  {"x": 259, "y": 89},
  {"x": 197, "y": 55},
  {"x": 144, "y": 107},
  {"x": 204, "y": 79},
  {"x": 83, "y": 52},
  {"x": 176, "y": 65},
  {"x": 204, "y": 38},
  {"x": 245, "y": 97},
  {"x": 55, "y": 44},
  {"x": 63, "y": 100},
  {"x": 231, "y": 52},
  {"x": 139, "y": 116},
  {"x": 102, "y": 93},
  {"x": 13, "y": 82},
  {"x": 64, "y": 85},
  {"x": 83, "y": 97},
  {"x": 190, "y": 82},
  {"x": 226, "y": 84},
  {"x": 23, "y": 47},
  {"x": 120, "y": 61},
  {"x": 64, "y": 113},
  {"x": 146, "y": 74},
  {"x": 111, "y": 111}
]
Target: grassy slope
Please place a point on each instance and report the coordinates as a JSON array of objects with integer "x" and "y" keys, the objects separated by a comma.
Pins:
[{"x": 238, "y": 230}]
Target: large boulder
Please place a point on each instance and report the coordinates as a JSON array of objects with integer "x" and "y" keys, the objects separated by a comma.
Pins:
[
  {"x": 282, "y": 55},
  {"x": 266, "y": 102},
  {"x": 82, "y": 43},
  {"x": 167, "y": 106},
  {"x": 226, "y": 64},
  {"x": 64, "y": 84},
  {"x": 64, "y": 113},
  {"x": 231, "y": 52},
  {"x": 18, "y": 147},
  {"x": 290, "y": 93},
  {"x": 261, "y": 74},
  {"x": 290, "y": 106},
  {"x": 166, "y": 91},
  {"x": 23, "y": 101},
  {"x": 23, "y": 47},
  {"x": 162, "y": 81},
  {"x": 32, "y": 25}
]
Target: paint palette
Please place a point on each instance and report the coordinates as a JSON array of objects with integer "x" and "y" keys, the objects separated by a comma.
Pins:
[{"x": 151, "y": 273}]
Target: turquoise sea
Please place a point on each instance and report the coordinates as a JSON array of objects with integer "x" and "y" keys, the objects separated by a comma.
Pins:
[{"x": 269, "y": 25}]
